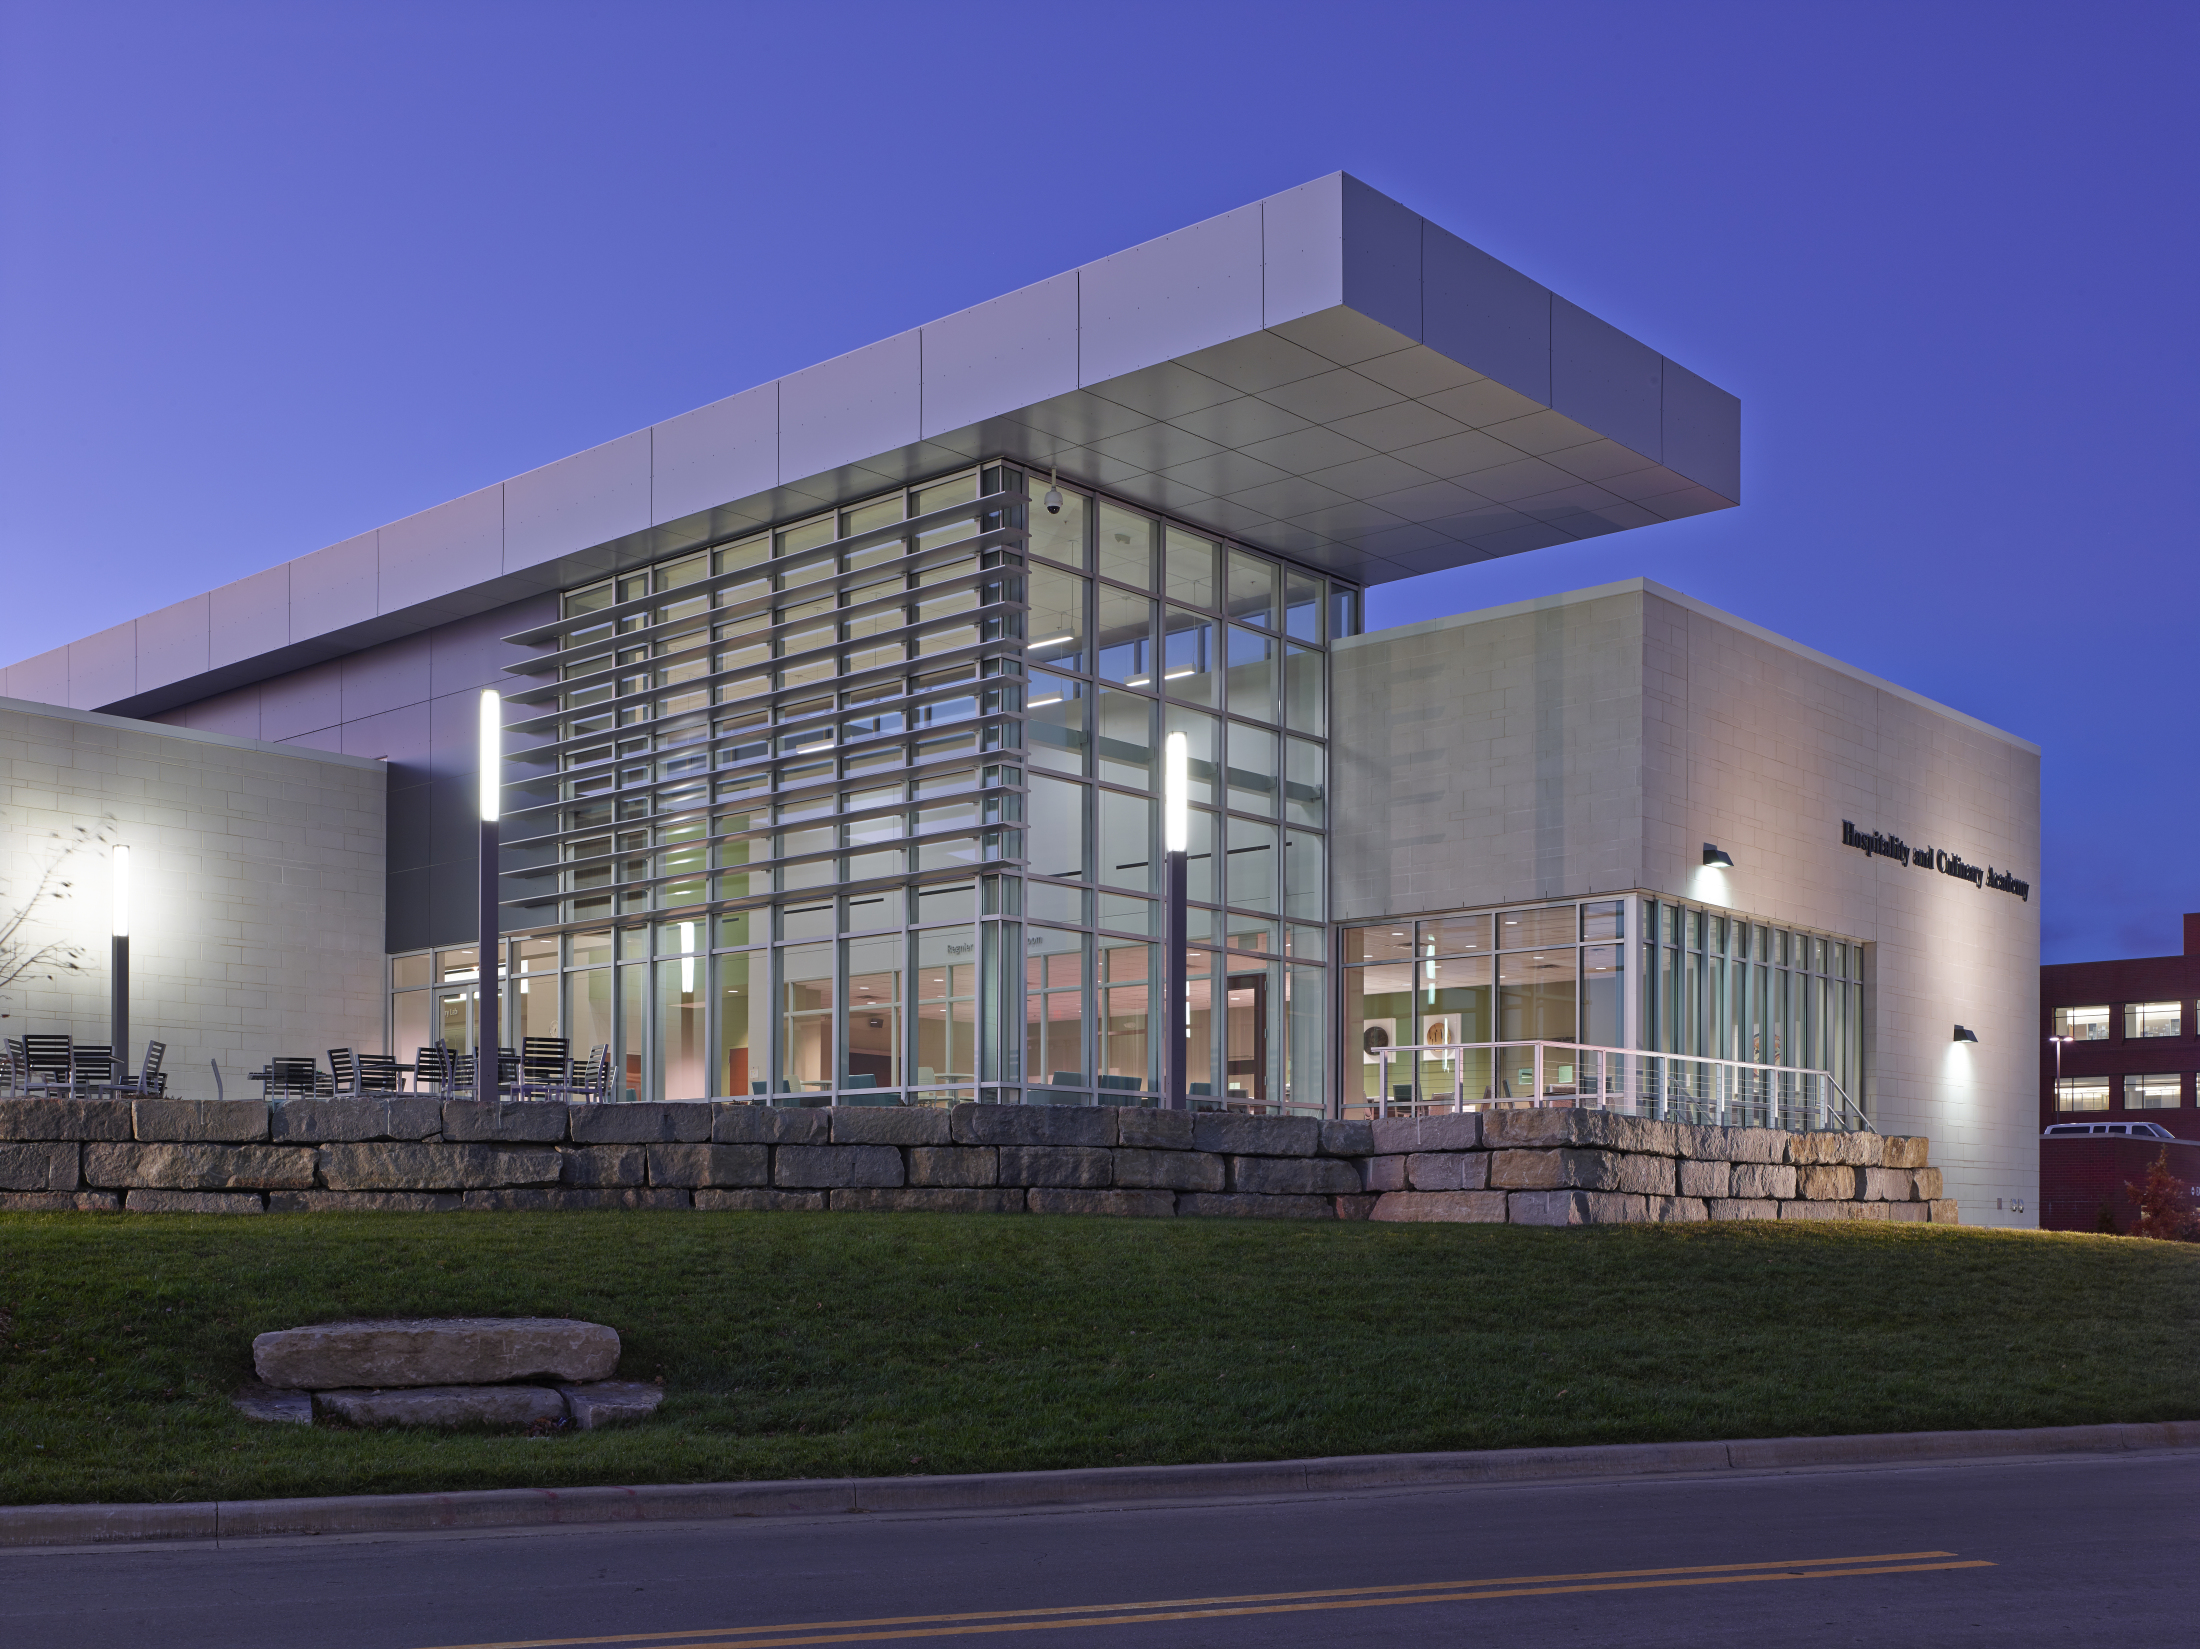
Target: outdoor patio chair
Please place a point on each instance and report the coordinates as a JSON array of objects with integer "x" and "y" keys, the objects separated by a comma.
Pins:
[
  {"x": 508, "y": 1070},
  {"x": 343, "y": 1070},
  {"x": 458, "y": 1077},
  {"x": 292, "y": 1078},
  {"x": 14, "y": 1069},
  {"x": 591, "y": 1084},
  {"x": 150, "y": 1079},
  {"x": 46, "y": 1062},
  {"x": 432, "y": 1070},
  {"x": 545, "y": 1066},
  {"x": 378, "y": 1074},
  {"x": 91, "y": 1068}
]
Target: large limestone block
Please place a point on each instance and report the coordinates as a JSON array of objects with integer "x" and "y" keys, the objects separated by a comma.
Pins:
[
  {"x": 696, "y": 1165},
  {"x": 1441, "y": 1207},
  {"x": 1763, "y": 1179},
  {"x": 524, "y": 1121},
  {"x": 46, "y": 1166},
  {"x": 226, "y": 1121},
  {"x": 1355, "y": 1207},
  {"x": 606, "y": 1165},
  {"x": 1761, "y": 1145},
  {"x": 1905, "y": 1150},
  {"x": 807, "y": 1167},
  {"x": 735, "y": 1123},
  {"x": 193, "y": 1202},
  {"x": 954, "y": 1165},
  {"x": 1676, "y": 1210},
  {"x": 1398, "y": 1136},
  {"x": 1236, "y": 1205},
  {"x": 435, "y": 1351},
  {"x": 1448, "y": 1131},
  {"x": 1704, "y": 1179},
  {"x": 1137, "y": 1204},
  {"x": 655, "y": 1122},
  {"x": 1915, "y": 1211},
  {"x": 1832, "y": 1150},
  {"x": 610, "y": 1402},
  {"x": 65, "y": 1119},
  {"x": 1075, "y": 1166},
  {"x": 1347, "y": 1139},
  {"x": 1088, "y": 1125},
  {"x": 1229, "y": 1134},
  {"x": 888, "y": 1124},
  {"x": 1830, "y": 1184},
  {"x": 265, "y": 1403},
  {"x": 1549, "y": 1126},
  {"x": 1145, "y": 1128},
  {"x": 1168, "y": 1170},
  {"x": 1840, "y": 1211},
  {"x": 200, "y": 1167},
  {"x": 326, "y": 1121},
  {"x": 1447, "y": 1170},
  {"x": 438, "y": 1167},
  {"x": 1577, "y": 1208},
  {"x": 929, "y": 1200},
  {"x": 60, "y": 1202},
  {"x": 1378, "y": 1174},
  {"x": 1293, "y": 1176},
  {"x": 760, "y": 1202},
  {"x": 1925, "y": 1184},
  {"x": 1525, "y": 1170},
  {"x": 444, "y": 1406},
  {"x": 1743, "y": 1208},
  {"x": 1591, "y": 1170},
  {"x": 363, "y": 1202},
  {"x": 1942, "y": 1211},
  {"x": 525, "y": 1199},
  {"x": 1887, "y": 1184}
]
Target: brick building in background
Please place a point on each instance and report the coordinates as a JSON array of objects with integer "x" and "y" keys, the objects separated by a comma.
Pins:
[{"x": 2119, "y": 1057}]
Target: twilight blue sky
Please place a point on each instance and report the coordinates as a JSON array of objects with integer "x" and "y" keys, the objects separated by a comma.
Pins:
[{"x": 271, "y": 274}]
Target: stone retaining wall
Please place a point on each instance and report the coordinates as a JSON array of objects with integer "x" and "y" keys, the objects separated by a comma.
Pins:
[{"x": 418, "y": 1152}]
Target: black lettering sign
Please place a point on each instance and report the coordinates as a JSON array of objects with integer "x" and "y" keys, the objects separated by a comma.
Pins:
[{"x": 1874, "y": 844}]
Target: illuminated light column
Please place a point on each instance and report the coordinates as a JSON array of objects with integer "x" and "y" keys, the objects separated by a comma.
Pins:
[
  {"x": 490, "y": 930},
  {"x": 118, "y": 962},
  {"x": 1175, "y": 984}
]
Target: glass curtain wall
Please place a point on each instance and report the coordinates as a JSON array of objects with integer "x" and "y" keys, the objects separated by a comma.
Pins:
[{"x": 866, "y": 807}]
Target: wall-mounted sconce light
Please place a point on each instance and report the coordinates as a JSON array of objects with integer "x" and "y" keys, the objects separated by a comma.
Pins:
[
  {"x": 1717, "y": 857},
  {"x": 1966, "y": 1034}
]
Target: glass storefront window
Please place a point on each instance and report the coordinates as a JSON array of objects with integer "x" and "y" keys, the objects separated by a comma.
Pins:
[
  {"x": 806, "y": 1023},
  {"x": 872, "y": 1057}
]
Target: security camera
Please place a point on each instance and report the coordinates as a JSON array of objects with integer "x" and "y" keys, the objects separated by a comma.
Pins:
[{"x": 1053, "y": 499}]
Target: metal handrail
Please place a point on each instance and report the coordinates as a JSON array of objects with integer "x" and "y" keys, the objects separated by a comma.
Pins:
[{"x": 1635, "y": 1081}]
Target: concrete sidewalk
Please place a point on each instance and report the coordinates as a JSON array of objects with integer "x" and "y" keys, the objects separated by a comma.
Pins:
[{"x": 1010, "y": 1491}]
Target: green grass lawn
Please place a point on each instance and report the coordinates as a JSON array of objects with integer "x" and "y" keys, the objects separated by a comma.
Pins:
[{"x": 809, "y": 1346}]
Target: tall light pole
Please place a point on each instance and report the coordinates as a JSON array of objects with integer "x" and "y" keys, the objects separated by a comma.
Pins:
[
  {"x": 118, "y": 961},
  {"x": 491, "y": 927},
  {"x": 1176, "y": 837}
]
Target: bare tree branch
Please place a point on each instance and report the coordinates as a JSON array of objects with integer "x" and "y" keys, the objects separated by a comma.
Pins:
[{"x": 22, "y": 957}]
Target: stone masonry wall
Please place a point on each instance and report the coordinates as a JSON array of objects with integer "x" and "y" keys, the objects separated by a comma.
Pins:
[{"x": 420, "y": 1153}]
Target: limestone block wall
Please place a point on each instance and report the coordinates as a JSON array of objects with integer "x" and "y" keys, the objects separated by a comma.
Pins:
[
  {"x": 420, "y": 1153},
  {"x": 257, "y": 887}
]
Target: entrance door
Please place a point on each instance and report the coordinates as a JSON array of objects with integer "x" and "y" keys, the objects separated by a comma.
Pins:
[{"x": 1246, "y": 1051}]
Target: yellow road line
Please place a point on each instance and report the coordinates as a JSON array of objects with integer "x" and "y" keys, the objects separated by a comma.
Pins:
[{"x": 1344, "y": 1597}]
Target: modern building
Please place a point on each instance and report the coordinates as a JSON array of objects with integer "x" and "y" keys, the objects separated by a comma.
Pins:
[
  {"x": 835, "y": 710},
  {"x": 2116, "y": 1077}
]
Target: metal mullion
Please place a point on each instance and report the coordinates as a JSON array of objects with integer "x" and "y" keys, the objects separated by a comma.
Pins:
[
  {"x": 770, "y": 862},
  {"x": 648, "y": 695},
  {"x": 775, "y": 567}
]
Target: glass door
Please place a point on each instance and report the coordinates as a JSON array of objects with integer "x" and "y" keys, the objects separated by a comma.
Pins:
[{"x": 1247, "y": 1033}]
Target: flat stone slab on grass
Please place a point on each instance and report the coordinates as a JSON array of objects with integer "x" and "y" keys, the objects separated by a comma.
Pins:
[
  {"x": 293, "y": 1408},
  {"x": 611, "y": 1402},
  {"x": 450, "y": 1351},
  {"x": 444, "y": 1406}
]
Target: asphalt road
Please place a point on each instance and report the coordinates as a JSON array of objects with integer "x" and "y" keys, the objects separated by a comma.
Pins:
[{"x": 2075, "y": 1550}]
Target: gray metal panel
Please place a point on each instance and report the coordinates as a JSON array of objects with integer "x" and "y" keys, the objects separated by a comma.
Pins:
[
  {"x": 1603, "y": 378},
  {"x": 567, "y": 506},
  {"x": 336, "y": 587},
  {"x": 396, "y": 736},
  {"x": 1302, "y": 250},
  {"x": 1485, "y": 315},
  {"x": 1382, "y": 259},
  {"x": 243, "y": 619},
  {"x": 850, "y": 408},
  {"x": 171, "y": 643},
  {"x": 385, "y": 677},
  {"x": 1014, "y": 350},
  {"x": 707, "y": 458},
  {"x": 237, "y": 714},
  {"x": 1170, "y": 296},
  {"x": 103, "y": 667},
  {"x": 427, "y": 557},
  {"x": 1703, "y": 432},
  {"x": 304, "y": 701}
]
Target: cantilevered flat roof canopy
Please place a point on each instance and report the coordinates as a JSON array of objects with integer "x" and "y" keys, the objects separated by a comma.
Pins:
[{"x": 1323, "y": 373}]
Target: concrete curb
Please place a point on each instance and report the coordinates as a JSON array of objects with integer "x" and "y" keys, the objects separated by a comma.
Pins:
[{"x": 1010, "y": 1491}]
